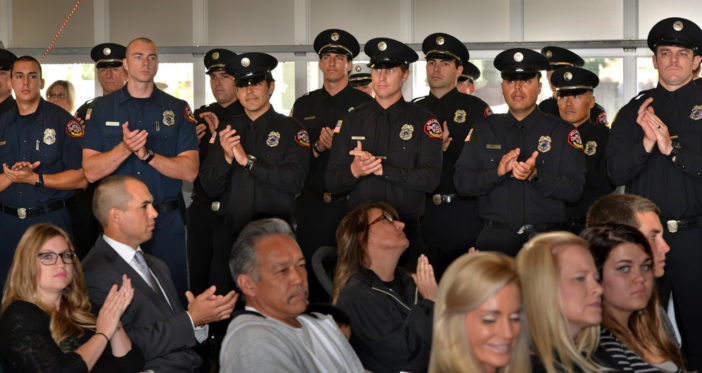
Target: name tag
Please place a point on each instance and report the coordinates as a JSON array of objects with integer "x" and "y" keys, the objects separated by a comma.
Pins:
[
  {"x": 673, "y": 137},
  {"x": 493, "y": 146},
  {"x": 358, "y": 138},
  {"x": 3, "y": 142},
  {"x": 112, "y": 124},
  {"x": 310, "y": 117}
]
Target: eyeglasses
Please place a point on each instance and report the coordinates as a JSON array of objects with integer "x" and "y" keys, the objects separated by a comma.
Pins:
[
  {"x": 50, "y": 258},
  {"x": 56, "y": 95},
  {"x": 386, "y": 216}
]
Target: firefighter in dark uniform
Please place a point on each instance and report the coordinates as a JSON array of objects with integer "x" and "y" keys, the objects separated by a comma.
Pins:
[
  {"x": 558, "y": 58},
  {"x": 524, "y": 165},
  {"x": 201, "y": 216},
  {"x": 655, "y": 150},
  {"x": 147, "y": 133},
  {"x": 466, "y": 81},
  {"x": 360, "y": 78},
  {"x": 574, "y": 88},
  {"x": 318, "y": 211},
  {"x": 260, "y": 162},
  {"x": 41, "y": 161},
  {"x": 388, "y": 150},
  {"x": 7, "y": 102},
  {"x": 450, "y": 223}
]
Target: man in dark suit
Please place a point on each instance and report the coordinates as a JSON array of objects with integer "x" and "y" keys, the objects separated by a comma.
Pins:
[{"x": 156, "y": 321}]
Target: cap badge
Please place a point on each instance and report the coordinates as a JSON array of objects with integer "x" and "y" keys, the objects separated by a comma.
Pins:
[
  {"x": 568, "y": 76},
  {"x": 334, "y": 36},
  {"x": 245, "y": 62},
  {"x": 518, "y": 57},
  {"x": 358, "y": 69},
  {"x": 382, "y": 46},
  {"x": 677, "y": 26},
  {"x": 215, "y": 55},
  {"x": 106, "y": 51},
  {"x": 440, "y": 40},
  {"x": 549, "y": 54},
  {"x": 406, "y": 131}
]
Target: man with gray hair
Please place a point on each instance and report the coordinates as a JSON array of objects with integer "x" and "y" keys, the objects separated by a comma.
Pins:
[{"x": 274, "y": 334}]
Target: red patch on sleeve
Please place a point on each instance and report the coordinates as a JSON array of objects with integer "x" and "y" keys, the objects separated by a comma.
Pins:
[
  {"x": 602, "y": 118},
  {"x": 188, "y": 114},
  {"x": 574, "y": 139},
  {"x": 488, "y": 112},
  {"x": 433, "y": 129},
  {"x": 302, "y": 138},
  {"x": 74, "y": 129}
]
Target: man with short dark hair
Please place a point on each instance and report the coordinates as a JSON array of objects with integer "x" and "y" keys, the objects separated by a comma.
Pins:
[
  {"x": 155, "y": 320},
  {"x": 466, "y": 81},
  {"x": 274, "y": 334},
  {"x": 41, "y": 162},
  {"x": 7, "y": 102},
  {"x": 655, "y": 151}
]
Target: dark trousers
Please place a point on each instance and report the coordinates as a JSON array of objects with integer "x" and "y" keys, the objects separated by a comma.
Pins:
[
  {"x": 202, "y": 222},
  {"x": 449, "y": 230},
  {"x": 86, "y": 228},
  {"x": 501, "y": 240}
]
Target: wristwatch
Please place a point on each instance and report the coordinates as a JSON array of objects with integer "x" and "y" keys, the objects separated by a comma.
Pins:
[
  {"x": 149, "y": 157},
  {"x": 249, "y": 163},
  {"x": 673, "y": 154},
  {"x": 40, "y": 181}
]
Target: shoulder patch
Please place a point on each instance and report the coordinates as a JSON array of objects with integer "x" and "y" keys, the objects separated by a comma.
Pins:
[
  {"x": 188, "y": 114},
  {"x": 602, "y": 118},
  {"x": 433, "y": 128},
  {"x": 470, "y": 134},
  {"x": 574, "y": 139},
  {"x": 337, "y": 128},
  {"x": 302, "y": 138},
  {"x": 74, "y": 129},
  {"x": 488, "y": 112}
]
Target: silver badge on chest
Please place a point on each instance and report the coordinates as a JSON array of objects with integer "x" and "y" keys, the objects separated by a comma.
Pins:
[
  {"x": 273, "y": 139},
  {"x": 406, "y": 131},
  {"x": 49, "y": 136}
]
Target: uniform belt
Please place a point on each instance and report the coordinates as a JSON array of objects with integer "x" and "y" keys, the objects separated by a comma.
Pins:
[
  {"x": 167, "y": 207},
  {"x": 439, "y": 199},
  {"x": 526, "y": 228},
  {"x": 329, "y": 197},
  {"x": 23, "y": 212},
  {"x": 681, "y": 224}
]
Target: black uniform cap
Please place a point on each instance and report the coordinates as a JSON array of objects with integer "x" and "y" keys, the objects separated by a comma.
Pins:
[
  {"x": 676, "y": 31},
  {"x": 470, "y": 72},
  {"x": 445, "y": 47},
  {"x": 108, "y": 54},
  {"x": 336, "y": 41},
  {"x": 360, "y": 75},
  {"x": 7, "y": 58},
  {"x": 216, "y": 59},
  {"x": 520, "y": 63},
  {"x": 560, "y": 57},
  {"x": 573, "y": 81},
  {"x": 386, "y": 53},
  {"x": 250, "y": 68}
]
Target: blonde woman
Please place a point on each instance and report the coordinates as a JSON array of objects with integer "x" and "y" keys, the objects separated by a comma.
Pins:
[
  {"x": 478, "y": 320},
  {"x": 562, "y": 300},
  {"x": 45, "y": 319},
  {"x": 63, "y": 94}
]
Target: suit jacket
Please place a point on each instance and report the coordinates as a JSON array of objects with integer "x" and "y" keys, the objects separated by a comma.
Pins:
[{"x": 165, "y": 336}]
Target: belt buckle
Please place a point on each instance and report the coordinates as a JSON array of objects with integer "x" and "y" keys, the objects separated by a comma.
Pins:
[
  {"x": 215, "y": 205},
  {"x": 672, "y": 226},
  {"x": 525, "y": 228},
  {"x": 326, "y": 197},
  {"x": 449, "y": 198},
  {"x": 436, "y": 199},
  {"x": 22, "y": 213}
]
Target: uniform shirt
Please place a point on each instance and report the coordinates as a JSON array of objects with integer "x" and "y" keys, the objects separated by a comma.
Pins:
[
  {"x": 6, "y": 105},
  {"x": 560, "y": 168},
  {"x": 675, "y": 187},
  {"x": 598, "y": 115},
  {"x": 597, "y": 183},
  {"x": 168, "y": 121},
  {"x": 410, "y": 138},
  {"x": 282, "y": 152},
  {"x": 49, "y": 135},
  {"x": 460, "y": 112},
  {"x": 319, "y": 109},
  {"x": 225, "y": 116}
]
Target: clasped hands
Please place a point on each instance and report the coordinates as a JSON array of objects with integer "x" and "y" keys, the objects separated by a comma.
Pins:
[
  {"x": 21, "y": 172},
  {"x": 365, "y": 163},
  {"x": 525, "y": 170},
  {"x": 655, "y": 131}
]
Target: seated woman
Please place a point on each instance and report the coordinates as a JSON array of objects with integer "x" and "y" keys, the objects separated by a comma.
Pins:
[
  {"x": 562, "y": 299},
  {"x": 45, "y": 322},
  {"x": 390, "y": 310},
  {"x": 478, "y": 318},
  {"x": 632, "y": 331}
]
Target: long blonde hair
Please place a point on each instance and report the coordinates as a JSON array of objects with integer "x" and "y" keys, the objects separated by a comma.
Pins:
[
  {"x": 465, "y": 285},
  {"x": 73, "y": 315}
]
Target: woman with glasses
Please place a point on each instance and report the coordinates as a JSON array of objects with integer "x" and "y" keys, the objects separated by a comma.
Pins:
[
  {"x": 46, "y": 324},
  {"x": 62, "y": 93},
  {"x": 390, "y": 309},
  {"x": 632, "y": 331}
]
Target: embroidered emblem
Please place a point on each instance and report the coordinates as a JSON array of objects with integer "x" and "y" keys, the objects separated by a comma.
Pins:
[
  {"x": 302, "y": 138},
  {"x": 406, "y": 131},
  {"x": 602, "y": 118},
  {"x": 337, "y": 128},
  {"x": 273, "y": 139},
  {"x": 488, "y": 112},
  {"x": 189, "y": 114},
  {"x": 470, "y": 134},
  {"x": 73, "y": 129},
  {"x": 460, "y": 116},
  {"x": 590, "y": 148},
  {"x": 696, "y": 113},
  {"x": 544, "y": 144},
  {"x": 433, "y": 129},
  {"x": 574, "y": 139},
  {"x": 169, "y": 117},
  {"x": 50, "y": 135},
  {"x": 88, "y": 113}
]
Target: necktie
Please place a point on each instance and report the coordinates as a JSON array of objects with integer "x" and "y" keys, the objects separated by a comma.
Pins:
[{"x": 144, "y": 268}]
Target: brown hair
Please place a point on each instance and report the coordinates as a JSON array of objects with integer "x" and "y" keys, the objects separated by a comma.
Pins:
[
  {"x": 73, "y": 315},
  {"x": 619, "y": 209}
]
